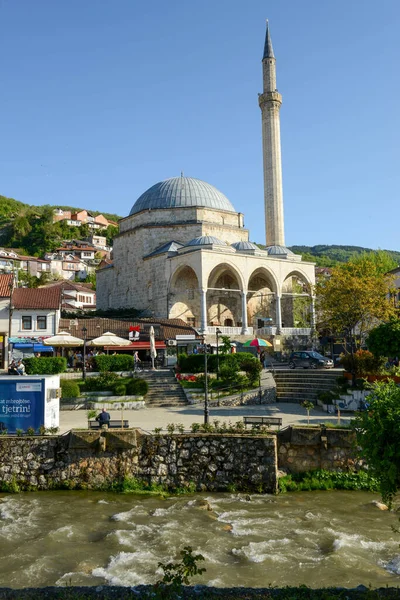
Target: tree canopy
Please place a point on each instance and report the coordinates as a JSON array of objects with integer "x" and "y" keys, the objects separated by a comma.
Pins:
[
  {"x": 384, "y": 340},
  {"x": 355, "y": 296},
  {"x": 378, "y": 435}
]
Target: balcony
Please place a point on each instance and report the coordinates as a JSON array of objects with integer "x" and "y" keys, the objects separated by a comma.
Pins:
[
  {"x": 228, "y": 330},
  {"x": 288, "y": 331}
]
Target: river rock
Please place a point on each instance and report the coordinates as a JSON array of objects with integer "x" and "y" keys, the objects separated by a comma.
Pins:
[{"x": 379, "y": 505}]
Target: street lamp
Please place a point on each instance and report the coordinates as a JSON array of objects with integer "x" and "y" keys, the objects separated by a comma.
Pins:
[
  {"x": 84, "y": 331},
  {"x": 206, "y": 407},
  {"x": 218, "y": 332}
]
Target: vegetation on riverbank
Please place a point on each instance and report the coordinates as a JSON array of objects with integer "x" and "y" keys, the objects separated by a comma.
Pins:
[{"x": 328, "y": 480}]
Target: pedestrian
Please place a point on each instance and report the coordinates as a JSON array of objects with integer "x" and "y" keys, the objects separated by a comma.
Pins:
[
  {"x": 104, "y": 419},
  {"x": 136, "y": 360},
  {"x": 262, "y": 357},
  {"x": 12, "y": 369},
  {"x": 20, "y": 367}
]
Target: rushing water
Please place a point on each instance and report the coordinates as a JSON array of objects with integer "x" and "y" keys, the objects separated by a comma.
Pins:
[{"x": 79, "y": 538}]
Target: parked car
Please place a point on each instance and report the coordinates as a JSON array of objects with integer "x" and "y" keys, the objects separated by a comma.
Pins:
[{"x": 308, "y": 359}]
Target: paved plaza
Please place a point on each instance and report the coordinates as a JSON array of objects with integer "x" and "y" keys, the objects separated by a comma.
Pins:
[{"x": 149, "y": 418}]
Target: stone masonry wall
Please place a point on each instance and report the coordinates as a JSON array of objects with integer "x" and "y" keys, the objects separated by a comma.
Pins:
[
  {"x": 305, "y": 449},
  {"x": 212, "y": 462},
  {"x": 93, "y": 460}
]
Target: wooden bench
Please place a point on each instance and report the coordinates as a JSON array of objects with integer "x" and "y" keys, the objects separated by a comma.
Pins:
[
  {"x": 262, "y": 420},
  {"x": 114, "y": 424}
]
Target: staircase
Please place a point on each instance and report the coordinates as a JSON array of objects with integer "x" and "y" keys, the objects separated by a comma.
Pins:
[
  {"x": 297, "y": 385},
  {"x": 164, "y": 390}
]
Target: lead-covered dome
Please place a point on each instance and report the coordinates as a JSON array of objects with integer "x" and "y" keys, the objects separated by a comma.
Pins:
[
  {"x": 206, "y": 240},
  {"x": 180, "y": 192}
]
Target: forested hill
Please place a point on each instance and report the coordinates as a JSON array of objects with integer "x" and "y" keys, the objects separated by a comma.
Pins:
[
  {"x": 10, "y": 208},
  {"x": 328, "y": 256}
]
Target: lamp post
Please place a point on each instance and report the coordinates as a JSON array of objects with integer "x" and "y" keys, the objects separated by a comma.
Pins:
[
  {"x": 84, "y": 331},
  {"x": 218, "y": 333},
  {"x": 206, "y": 407}
]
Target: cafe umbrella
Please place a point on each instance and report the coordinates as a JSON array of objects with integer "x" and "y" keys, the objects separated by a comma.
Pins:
[
  {"x": 257, "y": 343},
  {"x": 109, "y": 339},
  {"x": 64, "y": 340},
  {"x": 153, "y": 351}
]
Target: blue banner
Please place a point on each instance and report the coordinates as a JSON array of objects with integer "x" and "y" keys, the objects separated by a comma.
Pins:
[{"x": 21, "y": 404}]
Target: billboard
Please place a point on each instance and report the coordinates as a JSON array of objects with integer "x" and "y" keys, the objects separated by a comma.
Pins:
[{"x": 22, "y": 404}]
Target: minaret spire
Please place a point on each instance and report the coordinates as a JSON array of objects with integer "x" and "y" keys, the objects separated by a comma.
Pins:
[
  {"x": 270, "y": 103},
  {"x": 268, "y": 49}
]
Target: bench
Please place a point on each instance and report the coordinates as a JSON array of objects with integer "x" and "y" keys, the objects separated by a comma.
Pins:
[
  {"x": 262, "y": 420},
  {"x": 114, "y": 424}
]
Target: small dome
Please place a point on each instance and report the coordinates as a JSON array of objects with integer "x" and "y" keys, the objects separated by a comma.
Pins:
[
  {"x": 279, "y": 251},
  {"x": 182, "y": 192},
  {"x": 244, "y": 246},
  {"x": 206, "y": 240}
]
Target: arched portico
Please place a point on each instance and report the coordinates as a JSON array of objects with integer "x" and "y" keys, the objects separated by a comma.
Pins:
[
  {"x": 184, "y": 296},
  {"x": 261, "y": 298},
  {"x": 297, "y": 307},
  {"x": 223, "y": 305}
]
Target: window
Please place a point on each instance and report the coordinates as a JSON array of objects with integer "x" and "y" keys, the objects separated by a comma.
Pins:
[
  {"x": 191, "y": 321},
  {"x": 26, "y": 323},
  {"x": 190, "y": 294},
  {"x": 41, "y": 322}
]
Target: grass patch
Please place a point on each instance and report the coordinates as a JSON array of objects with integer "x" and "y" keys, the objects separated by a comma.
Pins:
[
  {"x": 328, "y": 480},
  {"x": 131, "y": 485}
]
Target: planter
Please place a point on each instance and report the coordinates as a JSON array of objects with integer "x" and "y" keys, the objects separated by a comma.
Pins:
[{"x": 372, "y": 378}]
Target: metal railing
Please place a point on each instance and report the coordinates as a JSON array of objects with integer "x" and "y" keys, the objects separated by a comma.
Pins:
[{"x": 228, "y": 330}]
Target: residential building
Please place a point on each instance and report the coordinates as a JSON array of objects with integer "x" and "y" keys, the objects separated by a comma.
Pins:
[
  {"x": 75, "y": 296},
  {"x": 35, "y": 315}
]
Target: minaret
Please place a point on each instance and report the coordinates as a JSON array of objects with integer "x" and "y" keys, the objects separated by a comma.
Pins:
[{"x": 270, "y": 103}]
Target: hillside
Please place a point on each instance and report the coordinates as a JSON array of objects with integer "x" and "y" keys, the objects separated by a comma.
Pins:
[
  {"x": 328, "y": 256},
  {"x": 10, "y": 208}
]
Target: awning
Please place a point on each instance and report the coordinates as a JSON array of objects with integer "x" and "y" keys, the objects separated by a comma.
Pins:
[
  {"x": 137, "y": 346},
  {"x": 32, "y": 347}
]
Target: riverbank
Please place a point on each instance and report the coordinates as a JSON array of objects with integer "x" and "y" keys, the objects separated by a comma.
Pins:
[{"x": 200, "y": 593}]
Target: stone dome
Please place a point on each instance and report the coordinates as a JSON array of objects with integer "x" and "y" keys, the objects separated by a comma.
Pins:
[
  {"x": 181, "y": 192},
  {"x": 244, "y": 246},
  {"x": 279, "y": 251},
  {"x": 206, "y": 240}
]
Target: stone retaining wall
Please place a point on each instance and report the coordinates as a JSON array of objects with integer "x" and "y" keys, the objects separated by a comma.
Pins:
[
  {"x": 210, "y": 462},
  {"x": 303, "y": 449},
  {"x": 252, "y": 397}
]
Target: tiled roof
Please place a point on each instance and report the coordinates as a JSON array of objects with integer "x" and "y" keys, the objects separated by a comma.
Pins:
[
  {"x": 163, "y": 328},
  {"x": 70, "y": 285},
  {"x": 36, "y": 298},
  {"x": 5, "y": 283}
]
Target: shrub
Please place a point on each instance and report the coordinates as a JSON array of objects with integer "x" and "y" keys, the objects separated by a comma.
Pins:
[
  {"x": 362, "y": 363},
  {"x": 69, "y": 388},
  {"x": 229, "y": 369},
  {"x": 136, "y": 386},
  {"x": 119, "y": 389},
  {"x": 252, "y": 368},
  {"x": 45, "y": 365},
  {"x": 116, "y": 362}
]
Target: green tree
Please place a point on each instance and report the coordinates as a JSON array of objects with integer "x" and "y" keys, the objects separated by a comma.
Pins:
[
  {"x": 384, "y": 340},
  {"x": 308, "y": 405},
  {"x": 224, "y": 346},
  {"x": 378, "y": 435},
  {"x": 355, "y": 297}
]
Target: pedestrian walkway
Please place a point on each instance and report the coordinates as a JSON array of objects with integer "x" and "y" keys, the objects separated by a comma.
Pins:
[{"x": 151, "y": 418}]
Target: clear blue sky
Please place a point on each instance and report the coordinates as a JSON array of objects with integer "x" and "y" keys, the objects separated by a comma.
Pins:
[{"x": 101, "y": 99}]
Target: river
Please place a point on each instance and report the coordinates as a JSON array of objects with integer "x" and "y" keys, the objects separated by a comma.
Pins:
[{"x": 91, "y": 538}]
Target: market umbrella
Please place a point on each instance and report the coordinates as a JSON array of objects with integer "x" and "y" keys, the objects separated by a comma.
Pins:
[
  {"x": 257, "y": 342},
  {"x": 63, "y": 339},
  {"x": 153, "y": 351},
  {"x": 109, "y": 339}
]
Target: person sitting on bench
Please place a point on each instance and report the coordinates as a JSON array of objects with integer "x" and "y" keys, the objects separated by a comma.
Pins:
[{"x": 103, "y": 418}]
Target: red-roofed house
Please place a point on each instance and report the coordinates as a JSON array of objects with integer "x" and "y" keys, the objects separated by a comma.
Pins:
[{"x": 35, "y": 316}]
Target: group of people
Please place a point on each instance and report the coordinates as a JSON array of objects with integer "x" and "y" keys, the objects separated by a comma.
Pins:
[
  {"x": 75, "y": 358},
  {"x": 16, "y": 367}
]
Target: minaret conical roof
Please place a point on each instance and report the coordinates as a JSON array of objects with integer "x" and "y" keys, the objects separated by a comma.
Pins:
[{"x": 268, "y": 49}]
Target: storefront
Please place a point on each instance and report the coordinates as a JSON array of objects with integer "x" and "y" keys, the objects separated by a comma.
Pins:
[
  {"x": 143, "y": 348},
  {"x": 28, "y": 347}
]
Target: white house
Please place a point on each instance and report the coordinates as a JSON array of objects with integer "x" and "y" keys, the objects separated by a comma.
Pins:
[{"x": 35, "y": 316}]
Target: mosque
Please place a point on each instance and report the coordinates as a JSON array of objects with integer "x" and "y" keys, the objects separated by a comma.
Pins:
[{"x": 183, "y": 252}]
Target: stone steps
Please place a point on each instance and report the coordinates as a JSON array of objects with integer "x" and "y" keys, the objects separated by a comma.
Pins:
[
  {"x": 164, "y": 390},
  {"x": 299, "y": 385}
]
